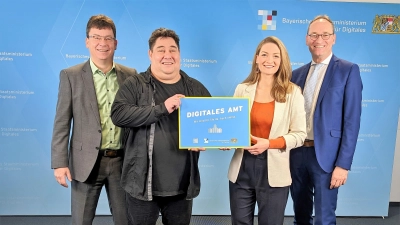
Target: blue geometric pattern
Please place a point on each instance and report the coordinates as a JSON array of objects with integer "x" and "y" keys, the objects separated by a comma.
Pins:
[{"x": 218, "y": 42}]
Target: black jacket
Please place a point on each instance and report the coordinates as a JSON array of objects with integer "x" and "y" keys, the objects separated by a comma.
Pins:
[{"x": 134, "y": 108}]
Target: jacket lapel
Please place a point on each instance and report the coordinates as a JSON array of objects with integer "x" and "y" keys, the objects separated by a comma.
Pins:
[
  {"x": 303, "y": 77},
  {"x": 87, "y": 77},
  {"x": 278, "y": 116},
  {"x": 250, "y": 91},
  {"x": 120, "y": 75},
  {"x": 327, "y": 79}
]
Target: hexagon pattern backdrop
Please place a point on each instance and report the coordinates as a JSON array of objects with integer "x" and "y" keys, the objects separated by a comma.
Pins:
[{"x": 218, "y": 40}]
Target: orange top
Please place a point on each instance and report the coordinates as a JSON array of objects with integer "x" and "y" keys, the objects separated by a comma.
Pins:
[{"x": 261, "y": 117}]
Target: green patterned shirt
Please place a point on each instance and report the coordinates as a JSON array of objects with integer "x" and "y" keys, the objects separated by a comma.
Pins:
[{"x": 106, "y": 86}]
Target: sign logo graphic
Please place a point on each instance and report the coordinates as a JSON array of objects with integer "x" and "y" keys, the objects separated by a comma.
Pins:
[
  {"x": 386, "y": 24},
  {"x": 266, "y": 17},
  {"x": 215, "y": 129}
]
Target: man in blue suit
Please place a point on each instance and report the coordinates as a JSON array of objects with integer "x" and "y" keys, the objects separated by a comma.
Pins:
[{"x": 332, "y": 90}]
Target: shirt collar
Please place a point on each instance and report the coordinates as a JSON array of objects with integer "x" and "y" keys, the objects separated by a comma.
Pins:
[
  {"x": 325, "y": 62},
  {"x": 95, "y": 69}
]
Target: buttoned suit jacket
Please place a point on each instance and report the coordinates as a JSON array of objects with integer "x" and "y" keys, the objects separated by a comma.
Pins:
[
  {"x": 337, "y": 113},
  {"x": 289, "y": 121},
  {"x": 77, "y": 107}
]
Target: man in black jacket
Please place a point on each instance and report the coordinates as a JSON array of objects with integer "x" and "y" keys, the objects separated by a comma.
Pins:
[{"x": 156, "y": 174}]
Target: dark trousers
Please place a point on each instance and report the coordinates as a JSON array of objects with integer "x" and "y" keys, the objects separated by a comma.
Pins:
[
  {"x": 252, "y": 187},
  {"x": 85, "y": 195},
  {"x": 310, "y": 187},
  {"x": 175, "y": 210}
]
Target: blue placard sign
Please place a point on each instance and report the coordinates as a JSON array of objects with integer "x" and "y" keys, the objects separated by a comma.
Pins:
[{"x": 214, "y": 122}]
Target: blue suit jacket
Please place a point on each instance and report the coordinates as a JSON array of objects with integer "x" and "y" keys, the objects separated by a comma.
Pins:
[{"x": 337, "y": 113}]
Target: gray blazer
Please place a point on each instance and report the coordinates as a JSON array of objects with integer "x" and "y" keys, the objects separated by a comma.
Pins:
[{"x": 77, "y": 102}]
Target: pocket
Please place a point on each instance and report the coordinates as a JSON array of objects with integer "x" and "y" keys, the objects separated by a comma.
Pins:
[{"x": 336, "y": 133}]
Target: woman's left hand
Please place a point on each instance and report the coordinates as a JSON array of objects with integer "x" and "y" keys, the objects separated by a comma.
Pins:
[{"x": 261, "y": 144}]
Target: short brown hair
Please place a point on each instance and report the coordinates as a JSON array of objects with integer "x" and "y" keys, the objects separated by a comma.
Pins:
[
  {"x": 325, "y": 17},
  {"x": 282, "y": 84},
  {"x": 100, "y": 22},
  {"x": 163, "y": 33}
]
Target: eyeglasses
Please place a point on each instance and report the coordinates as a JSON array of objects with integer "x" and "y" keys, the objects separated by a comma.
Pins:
[
  {"x": 99, "y": 38},
  {"x": 316, "y": 36}
]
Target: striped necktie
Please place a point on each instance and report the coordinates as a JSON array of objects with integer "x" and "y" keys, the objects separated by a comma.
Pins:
[{"x": 309, "y": 90}]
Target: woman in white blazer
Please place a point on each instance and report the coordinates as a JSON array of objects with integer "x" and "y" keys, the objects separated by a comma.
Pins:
[{"x": 260, "y": 173}]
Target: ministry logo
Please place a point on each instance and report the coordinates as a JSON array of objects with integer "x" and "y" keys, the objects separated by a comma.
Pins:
[
  {"x": 386, "y": 24},
  {"x": 267, "y": 21}
]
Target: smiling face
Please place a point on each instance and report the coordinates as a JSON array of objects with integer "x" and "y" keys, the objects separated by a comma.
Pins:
[
  {"x": 102, "y": 45},
  {"x": 269, "y": 59},
  {"x": 165, "y": 60},
  {"x": 320, "y": 49}
]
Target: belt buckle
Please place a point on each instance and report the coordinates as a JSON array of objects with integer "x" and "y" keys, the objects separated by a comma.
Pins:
[
  {"x": 110, "y": 153},
  {"x": 308, "y": 143}
]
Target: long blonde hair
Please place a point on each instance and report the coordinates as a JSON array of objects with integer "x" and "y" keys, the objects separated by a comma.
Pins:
[{"x": 282, "y": 84}]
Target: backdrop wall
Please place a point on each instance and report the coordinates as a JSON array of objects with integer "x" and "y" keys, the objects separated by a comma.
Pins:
[{"x": 218, "y": 40}]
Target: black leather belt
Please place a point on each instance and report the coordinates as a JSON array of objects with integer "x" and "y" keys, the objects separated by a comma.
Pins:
[
  {"x": 308, "y": 143},
  {"x": 110, "y": 152}
]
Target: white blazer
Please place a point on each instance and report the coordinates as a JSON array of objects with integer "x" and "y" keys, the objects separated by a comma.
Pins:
[{"x": 289, "y": 122}]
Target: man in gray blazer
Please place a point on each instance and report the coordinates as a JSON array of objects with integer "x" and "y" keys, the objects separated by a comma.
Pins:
[{"x": 91, "y": 157}]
